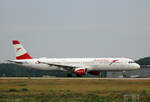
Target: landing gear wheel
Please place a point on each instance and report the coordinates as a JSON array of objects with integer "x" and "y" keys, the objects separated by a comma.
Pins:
[
  {"x": 79, "y": 75},
  {"x": 124, "y": 74},
  {"x": 69, "y": 75}
]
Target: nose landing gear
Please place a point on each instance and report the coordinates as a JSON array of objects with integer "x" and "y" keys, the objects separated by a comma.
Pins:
[{"x": 124, "y": 73}]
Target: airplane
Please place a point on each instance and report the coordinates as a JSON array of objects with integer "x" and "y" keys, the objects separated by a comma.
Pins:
[{"x": 79, "y": 66}]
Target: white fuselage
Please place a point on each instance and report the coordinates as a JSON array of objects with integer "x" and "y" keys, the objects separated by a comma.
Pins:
[{"x": 91, "y": 64}]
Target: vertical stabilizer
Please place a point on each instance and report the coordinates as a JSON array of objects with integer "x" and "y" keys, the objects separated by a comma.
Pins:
[{"x": 20, "y": 52}]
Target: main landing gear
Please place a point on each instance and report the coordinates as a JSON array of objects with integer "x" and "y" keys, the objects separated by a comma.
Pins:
[
  {"x": 79, "y": 75},
  {"x": 69, "y": 75}
]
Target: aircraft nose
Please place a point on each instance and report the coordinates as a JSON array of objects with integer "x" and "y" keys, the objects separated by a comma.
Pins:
[{"x": 137, "y": 66}]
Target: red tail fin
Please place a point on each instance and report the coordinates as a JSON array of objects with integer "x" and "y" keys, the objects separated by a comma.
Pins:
[{"x": 21, "y": 53}]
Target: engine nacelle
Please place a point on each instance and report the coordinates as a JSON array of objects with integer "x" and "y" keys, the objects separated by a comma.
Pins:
[
  {"x": 94, "y": 72},
  {"x": 80, "y": 71}
]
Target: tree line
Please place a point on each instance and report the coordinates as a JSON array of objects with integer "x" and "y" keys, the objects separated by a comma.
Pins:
[{"x": 12, "y": 70}]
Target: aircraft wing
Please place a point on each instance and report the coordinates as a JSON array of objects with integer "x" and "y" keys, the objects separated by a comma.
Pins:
[
  {"x": 17, "y": 62},
  {"x": 65, "y": 67}
]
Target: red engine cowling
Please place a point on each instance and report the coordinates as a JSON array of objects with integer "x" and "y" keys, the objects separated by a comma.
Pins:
[
  {"x": 94, "y": 72},
  {"x": 80, "y": 71}
]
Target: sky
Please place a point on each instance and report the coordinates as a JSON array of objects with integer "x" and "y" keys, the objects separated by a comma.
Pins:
[{"x": 76, "y": 28}]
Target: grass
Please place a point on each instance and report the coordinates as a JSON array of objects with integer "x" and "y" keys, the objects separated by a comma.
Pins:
[{"x": 59, "y": 90}]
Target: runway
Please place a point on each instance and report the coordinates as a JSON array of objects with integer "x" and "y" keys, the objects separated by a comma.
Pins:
[{"x": 74, "y": 78}]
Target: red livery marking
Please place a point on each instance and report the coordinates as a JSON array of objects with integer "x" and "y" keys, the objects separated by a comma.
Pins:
[
  {"x": 80, "y": 71},
  {"x": 38, "y": 62},
  {"x": 113, "y": 61},
  {"x": 101, "y": 60},
  {"x": 24, "y": 56},
  {"x": 18, "y": 49},
  {"x": 15, "y": 42}
]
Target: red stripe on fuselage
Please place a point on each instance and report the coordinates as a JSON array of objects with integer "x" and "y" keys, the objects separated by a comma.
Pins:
[
  {"x": 24, "y": 56},
  {"x": 15, "y": 42},
  {"x": 114, "y": 61}
]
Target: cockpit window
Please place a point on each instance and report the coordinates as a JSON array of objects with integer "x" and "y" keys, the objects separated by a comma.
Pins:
[{"x": 131, "y": 62}]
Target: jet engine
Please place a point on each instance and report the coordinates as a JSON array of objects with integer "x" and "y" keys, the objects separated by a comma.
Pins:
[
  {"x": 80, "y": 71},
  {"x": 94, "y": 72}
]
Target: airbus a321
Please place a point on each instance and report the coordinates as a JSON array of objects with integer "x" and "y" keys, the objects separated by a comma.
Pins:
[{"x": 79, "y": 66}]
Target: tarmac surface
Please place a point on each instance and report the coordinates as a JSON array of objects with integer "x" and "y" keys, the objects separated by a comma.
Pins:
[{"x": 75, "y": 78}]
